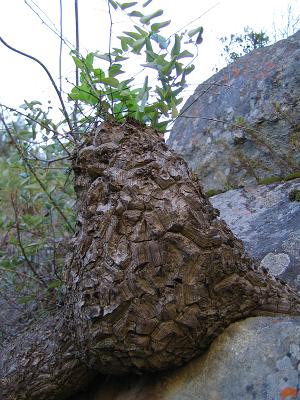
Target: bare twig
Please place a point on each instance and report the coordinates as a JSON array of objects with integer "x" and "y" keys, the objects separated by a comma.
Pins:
[
  {"x": 20, "y": 273},
  {"x": 60, "y": 44},
  {"x": 54, "y": 259},
  {"x": 180, "y": 115},
  {"x": 49, "y": 76},
  {"x": 54, "y": 29},
  {"x": 76, "y": 67},
  {"x": 46, "y": 161},
  {"x": 23, "y": 251},
  {"x": 196, "y": 19},
  {"x": 109, "y": 52}
]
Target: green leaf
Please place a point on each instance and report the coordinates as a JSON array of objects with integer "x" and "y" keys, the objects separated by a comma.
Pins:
[
  {"x": 54, "y": 284},
  {"x": 189, "y": 69},
  {"x": 125, "y": 42},
  {"x": 135, "y": 14},
  {"x": 142, "y": 32},
  {"x": 174, "y": 112},
  {"x": 133, "y": 35},
  {"x": 116, "y": 51},
  {"x": 83, "y": 93},
  {"x": 159, "y": 25},
  {"x": 177, "y": 91},
  {"x": 152, "y": 65},
  {"x": 145, "y": 86},
  {"x": 118, "y": 109},
  {"x": 121, "y": 58},
  {"x": 104, "y": 56},
  {"x": 113, "y": 3},
  {"x": 144, "y": 95},
  {"x": 138, "y": 45},
  {"x": 193, "y": 32},
  {"x": 185, "y": 54},
  {"x": 99, "y": 73},
  {"x": 89, "y": 61},
  {"x": 179, "y": 68},
  {"x": 114, "y": 70},
  {"x": 163, "y": 42},
  {"x": 163, "y": 107},
  {"x": 127, "y": 5},
  {"x": 176, "y": 48},
  {"x": 147, "y": 3},
  {"x": 168, "y": 68},
  {"x": 150, "y": 55},
  {"x": 123, "y": 85},
  {"x": 25, "y": 299},
  {"x": 78, "y": 62},
  {"x": 147, "y": 18},
  {"x": 110, "y": 81},
  {"x": 162, "y": 126}
]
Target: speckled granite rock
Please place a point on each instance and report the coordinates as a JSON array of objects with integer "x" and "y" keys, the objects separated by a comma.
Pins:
[
  {"x": 256, "y": 359},
  {"x": 243, "y": 124},
  {"x": 268, "y": 222}
]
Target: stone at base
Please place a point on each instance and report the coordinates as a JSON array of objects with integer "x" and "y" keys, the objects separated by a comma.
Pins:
[{"x": 254, "y": 359}]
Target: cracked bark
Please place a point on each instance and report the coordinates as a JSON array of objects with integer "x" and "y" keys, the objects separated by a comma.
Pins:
[{"x": 153, "y": 276}]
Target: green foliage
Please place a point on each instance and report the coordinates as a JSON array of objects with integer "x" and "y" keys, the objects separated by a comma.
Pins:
[
  {"x": 213, "y": 192},
  {"x": 269, "y": 180},
  {"x": 32, "y": 232},
  {"x": 293, "y": 175},
  {"x": 294, "y": 195},
  {"x": 238, "y": 45},
  {"x": 156, "y": 104}
]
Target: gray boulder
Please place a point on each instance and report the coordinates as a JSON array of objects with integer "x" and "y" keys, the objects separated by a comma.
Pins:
[
  {"x": 268, "y": 221},
  {"x": 242, "y": 125},
  {"x": 254, "y": 359}
]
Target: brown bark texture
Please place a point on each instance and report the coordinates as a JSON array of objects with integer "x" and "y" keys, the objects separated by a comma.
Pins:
[{"x": 153, "y": 276}]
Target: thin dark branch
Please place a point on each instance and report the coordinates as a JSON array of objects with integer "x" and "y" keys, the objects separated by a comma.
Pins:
[
  {"x": 60, "y": 44},
  {"x": 196, "y": 19},
  {"x": 23, "y": 251},
  {"x": 109, "y": 51},
  {"x": 19, "y": 273},
  {"x": 77, "y": 54},
  {"x": 194, "y": 101},
  {"x": 54, "y": 259},
  {"x": 49, "y": 76},
  {"x": 47, "y": 161},
  {"x": 54, "y": 30}
]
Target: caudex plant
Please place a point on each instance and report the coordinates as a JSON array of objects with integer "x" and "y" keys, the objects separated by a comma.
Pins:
[
  {"x": 152, "y": 274},
  {"x": 37, "y": 191}
]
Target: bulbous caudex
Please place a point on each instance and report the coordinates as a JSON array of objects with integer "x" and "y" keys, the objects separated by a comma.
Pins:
[{"x": 152, "y": 278}]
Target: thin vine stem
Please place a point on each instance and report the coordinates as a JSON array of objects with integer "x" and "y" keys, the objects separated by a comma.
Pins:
[
  {"x": 19, "y": 239},
  {"x": 60, "y": 44},
  {"x": 49, "y": 76}
]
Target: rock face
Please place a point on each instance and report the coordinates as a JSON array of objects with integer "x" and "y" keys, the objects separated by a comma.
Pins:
[
  {"x": 243, "y": 124},
  {"x": 268, "y": 222},
  {"x": 256, "y": 358}
]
